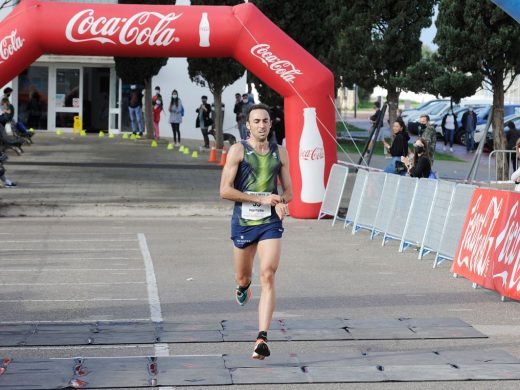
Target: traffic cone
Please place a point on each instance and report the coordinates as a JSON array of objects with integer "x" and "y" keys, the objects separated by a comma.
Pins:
[
  {"x": 213, "y": 154},
  {"x": 186, "y": 151},
  {"x": 223, "y": 157},
  {"x": 181, "y": 148},
  {"x": 125, "y": 135},
  {"x": 154, "y": 144},
  {"x": 170, "y": 146},
  {"x": 101, "y": 134},
  {"x": 59, "y": 132},
  {"x": 83, "y": 133},
  {"x": 111, "y": 135},
  {"x": 132, "y": 136},
  {"x": 31, "y": 130},
  {"x": 195, "y": 154}
]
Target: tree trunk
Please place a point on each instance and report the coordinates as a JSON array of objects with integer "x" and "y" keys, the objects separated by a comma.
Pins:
[
  {"x": 148, "y": 108},
  {"x": 217, "y": 124},
  {"x": 392, "y": 98},
  {"x": 499, "y": 136}
]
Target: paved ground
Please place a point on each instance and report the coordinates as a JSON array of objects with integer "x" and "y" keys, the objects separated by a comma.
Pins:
[{"x": 95, "y": 208}]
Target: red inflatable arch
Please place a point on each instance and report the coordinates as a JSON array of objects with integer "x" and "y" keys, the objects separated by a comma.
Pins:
[{"x": 242, "y": 32}]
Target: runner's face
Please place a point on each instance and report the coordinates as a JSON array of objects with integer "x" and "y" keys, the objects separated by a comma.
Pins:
[{"x": 259, "y": 124}]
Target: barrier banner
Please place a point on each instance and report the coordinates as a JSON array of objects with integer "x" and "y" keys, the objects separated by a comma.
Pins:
[{"x": 489, "y": 249}]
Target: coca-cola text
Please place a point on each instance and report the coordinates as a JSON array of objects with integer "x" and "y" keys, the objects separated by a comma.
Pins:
[
  {"x": 285, "y": 69},
  {"x": 312, "y": 154},
  {"x": 138, "y": 29},
  {"x": 10, "y": 45}
]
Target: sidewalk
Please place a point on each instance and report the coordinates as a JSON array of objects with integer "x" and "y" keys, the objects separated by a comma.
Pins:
[{"x": 92, "y": 176}]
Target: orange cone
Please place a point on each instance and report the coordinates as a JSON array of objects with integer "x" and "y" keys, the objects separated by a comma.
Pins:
[
  {"x": 213, "y": 154},
  {"x": 223, "y": 157}
]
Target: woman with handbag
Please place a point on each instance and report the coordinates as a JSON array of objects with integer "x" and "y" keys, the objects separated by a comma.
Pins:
[{"x": 398, "y": 149}]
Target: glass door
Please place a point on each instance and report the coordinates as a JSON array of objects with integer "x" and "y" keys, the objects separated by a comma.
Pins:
[
  {"x": 67, "y": 96},
  {"x": 114, "y": 112}
]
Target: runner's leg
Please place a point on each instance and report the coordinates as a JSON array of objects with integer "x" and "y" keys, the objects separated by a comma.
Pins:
[
  {"x": 269, "y": 251},
  {"x": 244, "y": 264}
]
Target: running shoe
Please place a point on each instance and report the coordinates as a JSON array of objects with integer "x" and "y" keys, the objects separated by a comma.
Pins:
[
  {"x": 243, "y": 297},
  {"x": 261, "y": 350}
]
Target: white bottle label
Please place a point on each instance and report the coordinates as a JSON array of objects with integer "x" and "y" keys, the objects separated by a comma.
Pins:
[
  {"x": 204, "y": 30},
  {"x": 312, "y": 159}
]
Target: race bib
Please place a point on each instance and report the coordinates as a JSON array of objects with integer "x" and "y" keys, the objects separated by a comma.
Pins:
[{"x": 256, "y": 211}]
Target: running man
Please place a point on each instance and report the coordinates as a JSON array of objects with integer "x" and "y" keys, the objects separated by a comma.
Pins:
[{"x": 249, "y": 178}]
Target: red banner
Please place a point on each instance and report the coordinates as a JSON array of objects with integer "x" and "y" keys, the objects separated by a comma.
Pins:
[{"x": 489, "y": 248}]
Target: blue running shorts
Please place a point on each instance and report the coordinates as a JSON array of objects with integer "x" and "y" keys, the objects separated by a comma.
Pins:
[{"x": 243, "y": 236}]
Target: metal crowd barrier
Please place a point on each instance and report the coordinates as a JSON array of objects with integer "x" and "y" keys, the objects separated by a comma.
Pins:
[
  {"x": 428, "y": 214},
  {"x": 334, "y": 192},
  {"x": 507, "y": 154}
]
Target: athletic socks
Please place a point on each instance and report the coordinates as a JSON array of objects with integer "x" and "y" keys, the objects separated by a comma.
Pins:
[
  {"x": 262, "y": 335},
  {"x": 243, "y": 289}
]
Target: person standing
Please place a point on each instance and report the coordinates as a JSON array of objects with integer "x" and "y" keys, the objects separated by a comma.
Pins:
[
  {"x": 157, "y": 104},
  {"x": 449, "y": 125},
  {"x": 237, "y": 109},
  {"x": 176, "y": 111},
  {"x": 246, "y": 105},
  {"x": 515, "y": 177},
  {"x": 469, "y": 123},
  {"x": 428, "y": 134},
  {"x": 512, "y": 137},
  {"x": 204, "y": 119},
  {"x": 135, "y": 109},
  {"x": 249, "y": 179}
]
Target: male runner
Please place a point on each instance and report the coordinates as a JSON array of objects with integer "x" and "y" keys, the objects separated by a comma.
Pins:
[{"x": 249, "y": 178}]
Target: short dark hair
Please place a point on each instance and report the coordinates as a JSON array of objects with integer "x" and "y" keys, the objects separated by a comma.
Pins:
[
  {"x": 8, "y": 90},
  {"x": 204, "y": 97},
  {"x": 377, "y": 104},
  {"x": 258, "y": 107},
  {"x": 425, "y": 116}
]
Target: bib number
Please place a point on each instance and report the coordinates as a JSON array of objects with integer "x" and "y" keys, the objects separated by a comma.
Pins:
[{"x": 256, "y": 211}]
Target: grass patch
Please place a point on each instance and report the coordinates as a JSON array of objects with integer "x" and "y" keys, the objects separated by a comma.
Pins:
[
  {"x": 340, "y": 128},
  {"x": 349, "y": 147}
]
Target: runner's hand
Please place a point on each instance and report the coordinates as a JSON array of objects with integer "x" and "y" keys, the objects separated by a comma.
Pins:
[
  {"x": 272, "y": 199},
  {"x": 281, "y": 210}
]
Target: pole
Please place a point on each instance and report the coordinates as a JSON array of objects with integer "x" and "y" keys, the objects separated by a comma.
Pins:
[
  {"x": 355, "y": 100},
  {"x": 374, "y": 133},
  {"x": 478, "y": 153}
]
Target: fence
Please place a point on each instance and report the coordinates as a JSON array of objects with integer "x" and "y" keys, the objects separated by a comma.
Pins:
[
  {"x": 334, "y": 192},
  {"x": 508, "y": 154},
  {"x": 428, "y": 214}
]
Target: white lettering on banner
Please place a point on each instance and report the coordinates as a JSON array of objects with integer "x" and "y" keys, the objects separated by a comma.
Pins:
[
  {"x": 476, "y": 240},
  {"x": 510, "y": 237},
  {"x": 9, "y": 45},
  {"x": 312, "y": 154},
  {"x": 283, "y": 68},
  {"x": 84, "y": 27}
]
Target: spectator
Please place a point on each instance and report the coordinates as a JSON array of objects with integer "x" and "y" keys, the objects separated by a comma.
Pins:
[
  {"x": 204, "y": 119},
  {"x": 374, "y": 119},
  {"x": 7, "y": 92},
  {"x": 4, "y": 181},
  {"x": 157, "y": 104},
  {"x": 420, "y": 166},
  {"x": 135, "y": 109},
  {"x": 7, "y": 112},
  {"x": 449, "y": 125},
  {"x": 516, "y": 175},
  {"x": 278, "y": 121},
  {"x": 469, "y": 124},
  {"x": 512, "y": 137},
  {"x": 176, "y": 112},
  {"x": 398, "y": 149},
  {"x": 243, "y": 116},
  {"x": 428, "y": 134},
  {"x": 237, "y": 110}
]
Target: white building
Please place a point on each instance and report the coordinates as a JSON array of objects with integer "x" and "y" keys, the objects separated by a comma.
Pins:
[{"x": 95, "y": 93}]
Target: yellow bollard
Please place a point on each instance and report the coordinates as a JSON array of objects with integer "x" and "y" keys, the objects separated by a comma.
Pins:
[
  {"x": 78, "y": 126},
  {"x": 170, "y": 146}
]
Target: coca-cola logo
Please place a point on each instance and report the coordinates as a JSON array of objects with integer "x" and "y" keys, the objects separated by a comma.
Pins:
[
  {"x": 312, "y": 154},
  {"x": 283, "y": 68},
  {"x": 508, "y": 240},
  {"x": 477, "y": 242},
  {"x": 142, "y": 28},
  {"x": 10, "y": 45}
]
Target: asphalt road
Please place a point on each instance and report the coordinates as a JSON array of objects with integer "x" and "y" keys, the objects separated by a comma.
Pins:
[{"x": 86, "y": 269}]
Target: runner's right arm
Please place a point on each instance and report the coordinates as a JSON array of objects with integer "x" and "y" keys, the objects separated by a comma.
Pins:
[{"x": 227, "y": 188}]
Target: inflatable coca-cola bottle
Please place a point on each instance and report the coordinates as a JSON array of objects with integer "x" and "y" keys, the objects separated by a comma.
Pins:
[
  {"x": 204, "y": 30},
  {"x": 312, "y": 159}
]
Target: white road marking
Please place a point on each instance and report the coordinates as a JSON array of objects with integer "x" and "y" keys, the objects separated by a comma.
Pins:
[
  {"x": 68, "y": 269},
  {"x": 54, "y": 258},
  {"x": 69, "y": 250},
  {"x": 60, "y": 241},
  {"x": 161, "y": 349},
  {"x": 70, "y": 284},
  {"x": 72, "y": 300},
  {"x": 79, "y": 322}
]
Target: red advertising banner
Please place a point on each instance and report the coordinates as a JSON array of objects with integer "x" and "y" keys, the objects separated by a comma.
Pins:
[{"x": 489, "y": 248}]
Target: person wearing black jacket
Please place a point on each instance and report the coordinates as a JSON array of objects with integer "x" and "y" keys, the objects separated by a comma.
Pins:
[
  {"x": 204, "y": 119},
  {"x": 512, "y": 137},
  {"x": 421, "y": 165},
  {"x": 398, "y": 149}
]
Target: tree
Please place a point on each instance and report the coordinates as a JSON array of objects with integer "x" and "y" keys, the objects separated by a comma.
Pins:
[
  {"x": 141, "y": 70},
  {"x": 477, "y": 36},
  {"x": 378, "y": 41},
  {"x": 429, "y": 75},
  {"x": 215, "y": 73},
  {"x": 303, "y": 21},
  {"x": 8, "y": 3}
]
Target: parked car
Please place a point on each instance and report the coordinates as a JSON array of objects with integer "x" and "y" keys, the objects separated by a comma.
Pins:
[
  {"x": 511, "y": 112},
  {"x": 432, "y": 111},
  {"x": 424, "y": 106}
]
